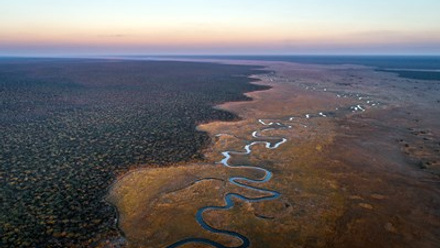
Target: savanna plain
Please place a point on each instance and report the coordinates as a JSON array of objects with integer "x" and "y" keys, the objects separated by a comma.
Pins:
[{"x": 118, "y": 153}]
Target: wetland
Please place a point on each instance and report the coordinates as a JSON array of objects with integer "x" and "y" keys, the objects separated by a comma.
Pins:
[
  {"x": 120, "y": 153},
  {"x": 345, "y": 172}
]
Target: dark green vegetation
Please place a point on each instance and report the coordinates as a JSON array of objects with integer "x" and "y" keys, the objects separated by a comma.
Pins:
[
  {"x": 68, "y": 127},
  {"x": 423, "y": 75}
]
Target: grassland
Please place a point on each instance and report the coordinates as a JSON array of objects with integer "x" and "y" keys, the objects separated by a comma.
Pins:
[{"x": 350, "y": 178}]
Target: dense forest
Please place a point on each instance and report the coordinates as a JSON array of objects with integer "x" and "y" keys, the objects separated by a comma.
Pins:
[{"x": 68, "y": 127}]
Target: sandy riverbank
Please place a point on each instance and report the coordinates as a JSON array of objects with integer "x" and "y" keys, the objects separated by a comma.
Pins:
[{"x": 360, "y": 167}]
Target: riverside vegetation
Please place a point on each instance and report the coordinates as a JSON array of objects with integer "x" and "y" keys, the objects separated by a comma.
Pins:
[{"x": 69, "y": 127}]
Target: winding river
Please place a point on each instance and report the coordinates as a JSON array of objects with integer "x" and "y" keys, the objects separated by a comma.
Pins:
[
  {"x": 269, "y": 143},
  {"x": 241, "y": 182}
]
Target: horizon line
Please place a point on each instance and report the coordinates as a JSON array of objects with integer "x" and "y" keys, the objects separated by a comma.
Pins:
[{"x": 102, "y": 56}]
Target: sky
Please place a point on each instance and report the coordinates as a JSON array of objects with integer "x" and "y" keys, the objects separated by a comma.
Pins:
[{"x": 170, "y": 27}]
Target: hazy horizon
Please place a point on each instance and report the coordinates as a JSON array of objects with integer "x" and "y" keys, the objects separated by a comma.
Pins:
[
  {"x": 195, "y": 27},
  {"x": 73, "y": 55}
]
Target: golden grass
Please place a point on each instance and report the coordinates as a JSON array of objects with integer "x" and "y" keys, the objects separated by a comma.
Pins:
[{"x": 326, "y": 200}]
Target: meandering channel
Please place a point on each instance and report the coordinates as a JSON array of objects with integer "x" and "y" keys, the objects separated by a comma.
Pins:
[{"x": 241, "y": 182}]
